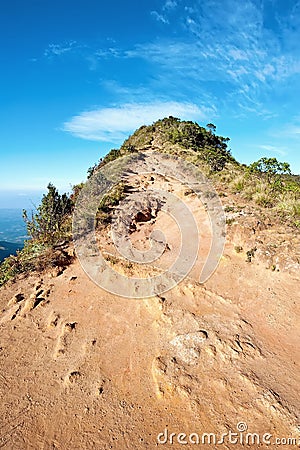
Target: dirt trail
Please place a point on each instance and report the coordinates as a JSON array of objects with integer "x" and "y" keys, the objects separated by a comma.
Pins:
[{"x": 83, "y": 369}]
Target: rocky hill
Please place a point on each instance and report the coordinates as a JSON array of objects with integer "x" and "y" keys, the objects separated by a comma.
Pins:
[{"x": 84, "y": 368}]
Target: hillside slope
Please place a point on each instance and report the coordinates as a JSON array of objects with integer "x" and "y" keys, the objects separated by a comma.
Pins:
[{"x": 84, "y": 369}]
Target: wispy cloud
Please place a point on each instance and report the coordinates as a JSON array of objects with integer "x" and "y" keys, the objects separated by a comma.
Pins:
[
  {"x": 169, "y": 5},
  {"x": 166, "y": 8},
  {"x": 60, "y": 49},
  {"x": 159, "y": 17},
  {"x": 289, "y": 130},
  {"x": 232, "y": 44},
  {"x": 272, "y": 149},
  {"x": 113, "y": 124},
  {"x": 128, "y": 93},
  {"x": 240, "y": 55}
]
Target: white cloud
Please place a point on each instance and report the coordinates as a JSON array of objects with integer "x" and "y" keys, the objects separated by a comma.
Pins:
[
  {"x": 130, "y": 92},
  {"x": 237, "y": 54},
  {"x": 60, "y": 49},
  {"x": 272, "y": 149},
  {"x": 228, "y": 52},
  {"x": 170, "y": 4},
  {"x": 290, "y": 130},
  {"x": 115, "y": 123},
  {"x": 159, "y": 17},
  {"x": 230, "y": 45}
]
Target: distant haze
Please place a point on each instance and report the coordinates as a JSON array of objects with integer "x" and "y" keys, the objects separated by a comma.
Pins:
[{"x": 19, "y": 199}]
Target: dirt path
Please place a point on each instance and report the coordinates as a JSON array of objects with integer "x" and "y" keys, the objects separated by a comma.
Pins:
[{"x": 83, "y": 369}]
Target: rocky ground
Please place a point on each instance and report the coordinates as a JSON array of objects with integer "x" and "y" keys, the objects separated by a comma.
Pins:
[{"x": 84, "y": 369}]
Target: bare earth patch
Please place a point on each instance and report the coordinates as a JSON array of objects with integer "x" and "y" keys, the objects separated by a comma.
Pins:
[{"x": 83, "y": 369}]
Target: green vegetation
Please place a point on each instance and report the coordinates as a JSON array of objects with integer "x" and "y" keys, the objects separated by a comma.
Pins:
[
  {"x": 204, "y": 144},
  {"x": 141, "y": 138},
  {"x": 51, "y": 222},
  {"x": 113, "y": 154},
  {"x": 34, "y": 257},
  {"x": 271, "y": 167},
  {"x": 108, "y": 202},
  {"x": 269, "y": 184},
  {"x": 48, "y": 228},
  {"x": 267, "y": 181}
]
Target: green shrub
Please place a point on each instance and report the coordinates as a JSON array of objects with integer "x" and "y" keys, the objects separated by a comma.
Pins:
[
  {"x": 108, "y": 202},
  {"x": 270, "y": 166},
  {"x": 263, "y": 200},
  {"x": 34, "y": 257},
  {"x": 25, "y": 260},
  {"x": 238, "y": 185},
  {"x": 52, "y": 220}
]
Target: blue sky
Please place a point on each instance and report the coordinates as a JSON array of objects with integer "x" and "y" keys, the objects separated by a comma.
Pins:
[{"x": 79, "y": 76}]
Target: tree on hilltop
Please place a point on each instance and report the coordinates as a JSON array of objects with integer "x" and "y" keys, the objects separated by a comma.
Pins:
[
  {"x": 271, "y": 167},
  {"x": 212, "y": 128}
]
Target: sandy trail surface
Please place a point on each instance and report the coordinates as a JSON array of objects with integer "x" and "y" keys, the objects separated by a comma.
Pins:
[{"x": 83, "y": 369}]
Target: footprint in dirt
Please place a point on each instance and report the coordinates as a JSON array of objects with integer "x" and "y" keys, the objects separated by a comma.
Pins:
[
  {"x": 64, "y": 339},
  {"x": 18, "y": 306},
  {"x": 53, "y": 319},
  {"x": 14, "y": 307}
]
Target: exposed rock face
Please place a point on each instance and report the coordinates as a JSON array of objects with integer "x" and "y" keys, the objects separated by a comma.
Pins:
[
  {"x": 83, "y": 369},
  {"x": 135, "y": 210}
]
